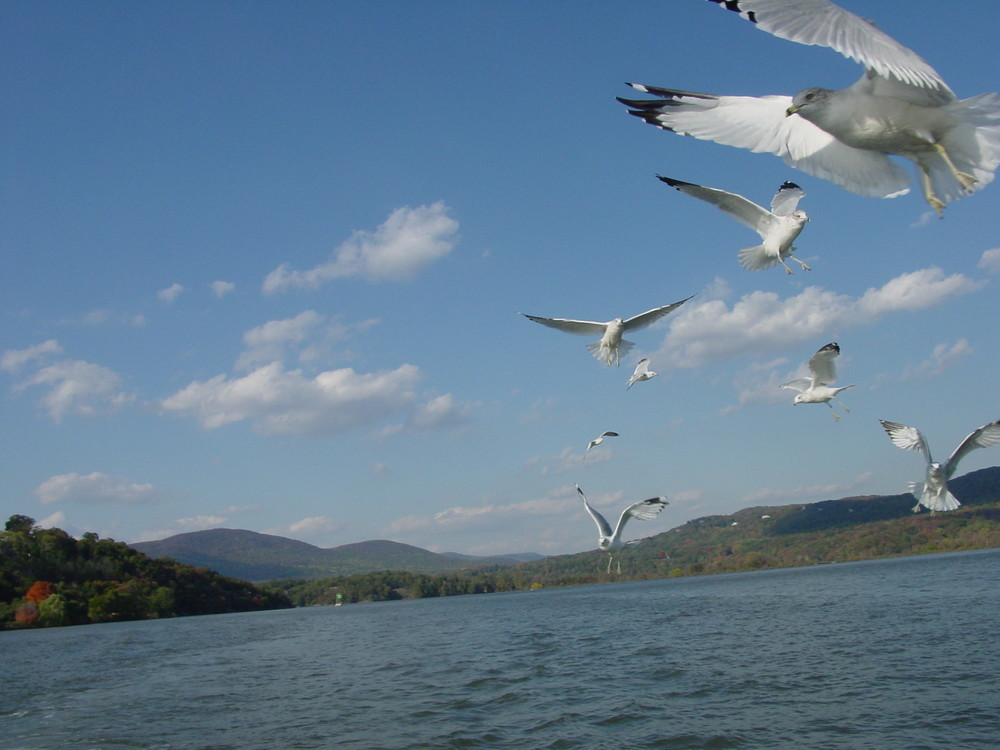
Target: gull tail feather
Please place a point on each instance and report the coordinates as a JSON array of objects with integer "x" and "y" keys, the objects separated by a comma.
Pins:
[
  {"x": 607, "y": 354},
  {"x": 756, "y": 258},
  {"x": 944, "y": 501}
]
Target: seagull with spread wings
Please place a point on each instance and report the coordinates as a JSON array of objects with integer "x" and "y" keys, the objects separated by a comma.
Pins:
[
  {"x": 816, "y": 389},
  {"x": 778, "y": 227},
  {"x": 900, "y": 106},
  {"x": 609, "y": 540},
  {"x": 641, "y": 372},
  {"x": 611, "y": 346},
  {"x": 600, "y": 439},
  {"x": 935, "y": 495}
]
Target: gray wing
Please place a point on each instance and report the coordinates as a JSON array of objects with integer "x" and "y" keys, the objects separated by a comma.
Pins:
[
  {"x": 822, "y": 23},
  {"x": 822, "y": 366},
  {"x": 984, "y": 437},
  {"x": 786, "y": 199},
  {"x": 907, "y": 438},
  {"x": 742, "y": 209},
  {"x": 581, "y": 327},
  {"x": 641, "y": 511},
  {"x": 650, "y": 316},
  {"x": 603, "y": 527}
]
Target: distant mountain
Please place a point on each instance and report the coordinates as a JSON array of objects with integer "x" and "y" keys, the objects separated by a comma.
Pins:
[{"x": 263, "y": 557}]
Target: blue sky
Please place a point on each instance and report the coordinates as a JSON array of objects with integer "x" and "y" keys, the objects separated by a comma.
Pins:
[{"x": 262, "y": 264}]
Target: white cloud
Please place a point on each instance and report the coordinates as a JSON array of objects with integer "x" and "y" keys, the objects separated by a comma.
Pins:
[
  {"x": 568, "y": 460},
  {"x": 758, "y": 322},
  {"x": 311, "y": 528},
  {"x": 990, "y": 261},
  {"x": 13, "y": 360},
  {"x": 280, "y": 401},
  {"x": 942, "y": 357},
  {"x": 79, "y": 388},
  {"x": 95, "y": 489},
  {"x": 267, "y": 342},
  {"x": 55, "y": 521},
  {"x": 409, "y": 240},
  {"x": 810, "y": 493},
  {"x": 170, "y": 293},
  {"x": 441, "y": 412},
  {"x": 222, "y": 288}
]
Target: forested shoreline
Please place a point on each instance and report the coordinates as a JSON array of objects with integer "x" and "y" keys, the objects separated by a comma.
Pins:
[{"x": 48, "y": 578}]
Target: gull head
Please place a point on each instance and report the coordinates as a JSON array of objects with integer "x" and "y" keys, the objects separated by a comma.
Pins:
[
  {"x": 800, "y": 217},
  {"x": 808, "y": 98},
  {"x": 798, "y": 399}
]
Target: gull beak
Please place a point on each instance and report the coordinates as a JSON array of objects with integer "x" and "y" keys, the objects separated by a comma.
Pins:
[{"x": 791, "y": 110}]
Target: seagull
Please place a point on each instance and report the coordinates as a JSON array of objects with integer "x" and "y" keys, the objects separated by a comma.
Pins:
[
  {"x": 600, "y": 439},
  {"x": 816, "y": 389},
  {"x": 641, "y": 372},
  {"x": 611, "y": 346},
  {"x": 935, "y": 494},
  {"x": 612, "y": 540},
  {"x": 778, "y": 227},
  {"x": 900, "y": 106}
]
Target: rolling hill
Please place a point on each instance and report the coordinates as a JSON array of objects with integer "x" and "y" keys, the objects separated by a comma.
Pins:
[{"x": 262, "y": 557}]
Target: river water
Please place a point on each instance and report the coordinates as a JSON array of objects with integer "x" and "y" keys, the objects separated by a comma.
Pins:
[{"x": 900, "y": 653}]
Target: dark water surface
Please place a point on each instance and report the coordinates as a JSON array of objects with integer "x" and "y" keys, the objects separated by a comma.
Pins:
[{"x": 900, "y": 653}]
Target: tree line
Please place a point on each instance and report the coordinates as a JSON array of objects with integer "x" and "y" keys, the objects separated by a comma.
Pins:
[{"x": 48, "y": 578}]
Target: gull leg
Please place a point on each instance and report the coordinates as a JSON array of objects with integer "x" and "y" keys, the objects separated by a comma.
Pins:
[
  {"x": 925, "y": 182},
  {"x": 800, "y": 262},
  {"x": 619, "y": 566},
  {"x": 782, "y": 260},
  {"x": 836, "y": 417},
  {"x": 965, "y": 179},
  {"x": 842, "y": 404},
  {"x": 610, "y": 558}
]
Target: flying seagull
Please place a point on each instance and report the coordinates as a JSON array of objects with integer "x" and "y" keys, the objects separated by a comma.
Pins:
[
  {"x": 935, "y": 494},
  {"x": 816, "y": 389},
  {"x": 899, "y": 106},
  {"x": 612, "y": 540},
  {"x": 611, "y": 346},
  {"x": 600, "y": 439},
  {"x": 641, "y": 372},
  {"x": 778, "y": 227}
]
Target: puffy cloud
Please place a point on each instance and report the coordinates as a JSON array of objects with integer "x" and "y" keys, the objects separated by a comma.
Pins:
[
  {"x": 79, "y": 388},
  {"x": 313, "y": 528},
  {"x": 171, "y": 293},
  {"x": 761, "y": 321},
  {"x": 95, "y": 489},
  {"x": 222, "y": 288},
  {"x": 267, "y": 342},
  {"x": 441, "y": 412},
  {"x": 280, "y": 401},
  {"x": 990, "y": 261},
  {"x": 13, "y": 360},
  {"x": 409, "y": 240}
]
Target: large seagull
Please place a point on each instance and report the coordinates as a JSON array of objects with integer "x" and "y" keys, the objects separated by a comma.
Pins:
[
  {"x": 900, "y": 106},
  {"x": 935, "y": 495},
  {"x": 611, "y": 346}
]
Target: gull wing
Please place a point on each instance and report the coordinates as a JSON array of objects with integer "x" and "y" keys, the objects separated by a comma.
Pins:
[
  {"x": 759, "y": 124},
  {"x": 799, "y": 384},
  {"x": 984, "y": 437},
  {"x": 603, "y": 527},
  {"x": 820, "y": 22},
  {"x": 641, "y": 511},
  {"x": 822, "y": 365},
  {"x": 908, "y": 438},
  {"x": 742, "y": 209},
  {"x": 650, "y": 316},
  {"x": 581, "y": 327},
  {"x": 786, "y": 199}
]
